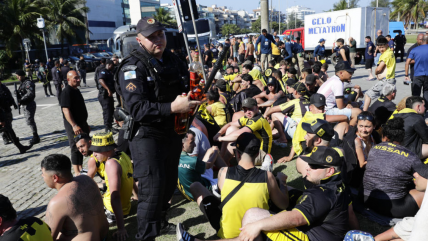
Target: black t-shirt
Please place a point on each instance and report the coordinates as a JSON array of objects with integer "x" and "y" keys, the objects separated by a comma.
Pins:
[
  {"x": 209, "y": 60},
  {"x": 252, "y": 91},
  {"x": 325, "y": 207},
  {"x": 215, "y": 52},
  {"x": 73, "y": 99},
  {"x": 382, "y": 108},
  {"x": 28, "y": 229},
  {"x": 64, "y": 71}
]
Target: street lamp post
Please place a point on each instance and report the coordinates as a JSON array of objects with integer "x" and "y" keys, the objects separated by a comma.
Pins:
[{"x": 41, "y": 25}]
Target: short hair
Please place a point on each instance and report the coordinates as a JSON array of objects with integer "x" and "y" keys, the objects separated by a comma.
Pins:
[
  {"x": 282, "y": 62},
  {"x": 230, "y": 58},
  {"x": 368, "y": 37},
  {"x": 58, "y": 163},
  {"x": 213, "y": 95},
  {"x": 278, "y": 74},
  {"x": 248, "y": 66},
  {"x": 388, "y": 36},
  {"x": 307, "y": 70},
  {"x": 316, "y": 68},
  {"x": 7, "y": 212},
  {"x": 272, "y": 62},
  {"x": 229, "y": 67},
  {"x": 393, "y": 129},
  {"x": 65, "y": 62},
  {"x": 340, "y": 40},
  {"x": 264, "y": 31},
  {"x": 103, "y": 60},
  {"x": 382, "y": 41},
  {"x": 388, "y": 89},
  {"x": 280, "y": 43},
  {"x": 189, "y": 132},
  {"x": 56, "y": 62},
  {"x": 247, "y": 77},
  {"x": 412, "y": 100}
]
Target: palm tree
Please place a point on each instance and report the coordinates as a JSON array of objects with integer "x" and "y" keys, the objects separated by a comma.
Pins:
[
  {"x": 64, "y": 17},
  {"x": 19, "y": 19},
  {"x": 409, "y": 10},
  {"x": 343, "y": 4},
  {"x": 162, "y": 15}
]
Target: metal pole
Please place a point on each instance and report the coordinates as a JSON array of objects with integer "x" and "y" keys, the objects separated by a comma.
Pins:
[
  {"x": 185, "y": 36},
  {"x": 44, "y": 39},
  {"x": 295, "y": 19},
  {"x": 197, "y": 39},
  {"x": 377, "y": 3},
  {"x": 279, "y": 16}
]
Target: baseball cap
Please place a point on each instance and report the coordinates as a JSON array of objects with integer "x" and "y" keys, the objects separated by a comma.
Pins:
[
  {"x": 299, "y": 87},
  {"x": 344, "y": 66},
  {"x": 324, "y": 156},
  {"x": 311, "y": 79},
  {"x": 249, "y": 103},
  {"x": 247, "y": 143},
  {"x": 290, "y": 82},
  {"x": 271, "y": 81},
  {"x": 422, "y": 170},
  {"x": 321, "y": 40},
  {"x": 102, "y": 142},
  {"x": 321, "y": 128},
  {"x": 148, "y": 25},
  {"x": 318, "y": 100},
  {"x": 20, "y": 72}
]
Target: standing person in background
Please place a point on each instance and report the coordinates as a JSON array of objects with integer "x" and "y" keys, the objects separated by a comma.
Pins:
[
  {"x": 75, "y": 117},
  {"x": 299, "y": 55},
  {"x": 265, "y": 41},
  {"x": 419, "y": 41},
  {"x": 208, "y": 60},
  {"x": 64, "y": 70},
  {"x": 81, "y": 67},
  {"x": 57, "y": 79},
  {"x": 43, "y": 72},
  {"x": 369, "y": 56},
  {"x": 376, "y": 55},
  {"x": 400, "y": 41},
  {"x": 235, "y": 47},
  {"x": 105, "y": 95},
  {"x": 276, "y": 51},
  {"x": 390, "y": 43},
  {"x": 28, "y": 69},
  {"x": 249, "y": 54},
  {"x": 241, "y": 51},
  {"x": 98, "y": 71},
  {"x": 343, "y": 54},
  {"x": 319, "y": 52},
  {"x": 352, "y": 51}
]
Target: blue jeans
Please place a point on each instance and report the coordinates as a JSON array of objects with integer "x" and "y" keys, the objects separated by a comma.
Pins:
[{"x": 376, "y": 59}]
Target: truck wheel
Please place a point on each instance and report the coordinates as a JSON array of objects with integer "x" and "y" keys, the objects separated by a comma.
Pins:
[{"x": 333, "y": 60}]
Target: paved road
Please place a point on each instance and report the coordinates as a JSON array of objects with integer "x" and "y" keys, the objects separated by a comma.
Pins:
[{"x": 20, "y": 175}]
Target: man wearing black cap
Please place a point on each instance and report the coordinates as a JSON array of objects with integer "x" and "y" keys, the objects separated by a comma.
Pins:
[
  {"x": 151, "y": 82},
  {"x": 81, "y": 67},
  {"x": 225, "y": 96},
  {"x": 332, "y": 89},
  {"x": 105, "y": 96},
  {"x": 321, "y": 213},
  {"x": 310, "y": 83},
  {"x": 254, "y": 193},
  {"x": 29, "y": 229},
  {"x": 27, "y": 94}
]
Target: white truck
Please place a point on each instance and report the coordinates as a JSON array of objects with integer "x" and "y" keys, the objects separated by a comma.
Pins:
[{"x": 356, "y": 23}]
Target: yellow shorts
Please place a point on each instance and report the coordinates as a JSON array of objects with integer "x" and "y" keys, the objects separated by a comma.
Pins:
[{"x": 287, "y": 235}]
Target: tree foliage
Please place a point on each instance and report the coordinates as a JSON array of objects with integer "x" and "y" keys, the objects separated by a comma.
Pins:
[
  {"x": 343, "y": 4},
  {"x": 162, "y": 15},
  {"x": 230, "y": 29},
  {"x": 293, "y": 22},
  {"x": 409, "y": 10},
  {"x": 381, "y": 3},
  {"x": 256, "y": 26}
]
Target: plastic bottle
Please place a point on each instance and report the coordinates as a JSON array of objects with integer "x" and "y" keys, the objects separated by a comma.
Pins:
[
  {"x": 195, "y": 72},
  {"x": 181, "y": 119}
]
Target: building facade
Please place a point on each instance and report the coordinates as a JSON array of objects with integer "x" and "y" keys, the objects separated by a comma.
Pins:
[
  {"x": 104, "y": 17},
  {"x": 142, "y": 8},
  {"x": 299, "y": 11}
]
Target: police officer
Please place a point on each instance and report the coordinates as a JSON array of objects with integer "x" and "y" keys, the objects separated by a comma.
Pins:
[
  {"x": 115, "y": 60},
  {"x": 151, "y": 80},
  {"x": 26, "y": 95},
  {"x": 57, "y": 79},
  {"x": 64, "y": 70},
  {"x": 81, "y": 67},
  {"x": 400, "y": 41},
  {"x": 6, "y": 101},
  {"x": 105, "y": 96},
  {"x": 98, "y": 71}
]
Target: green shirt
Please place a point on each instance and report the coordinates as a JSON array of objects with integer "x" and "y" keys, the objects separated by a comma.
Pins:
[
  {"x": 190, "y": 170},
  {"x": 353, "y": 49}
]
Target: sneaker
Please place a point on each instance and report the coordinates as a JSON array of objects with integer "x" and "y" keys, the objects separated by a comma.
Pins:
[
  {"x": 51, "y": 95},
  {"x": 47, "y": 96},
  {"x": 216, "y": 191},
  {"x": 183, "y": 235},
  {"x": 168, "y": 229},
  {"x": 267, "y": 164},
  {"x": 357, "y": 235},
  {"x": 111, "y": 218}
]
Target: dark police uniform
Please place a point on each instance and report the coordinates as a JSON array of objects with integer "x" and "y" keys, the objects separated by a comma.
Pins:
[
  {"x": 57, "y": 79},
  {"x": 400, "y": 41},
  {"x": 27, "y": 91},
  {"x": 155, "y": 147},
  {"x": 64, "y": 71},
  {"x": 97, "y": 74},
  {"x": 81, "y": 66},
  {"x": 107, "y": 102}
]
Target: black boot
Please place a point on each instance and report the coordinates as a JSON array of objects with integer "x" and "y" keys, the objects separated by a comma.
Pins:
[
  {"x": 6, "y": 140},
  {"x": 22, "y": 148},
  {"x": 166, "y": 228},
  {"x": 36, "y": 139}
]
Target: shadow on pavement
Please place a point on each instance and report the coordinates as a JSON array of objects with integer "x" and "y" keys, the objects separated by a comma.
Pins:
[
  {"x": 31, "y": 212},
  {"x": 17, "y": 160}
]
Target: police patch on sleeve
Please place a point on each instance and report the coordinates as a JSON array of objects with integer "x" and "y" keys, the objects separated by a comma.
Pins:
[
  {"x": 130, "y": 75},
  {"x": 131, "y": 87}
]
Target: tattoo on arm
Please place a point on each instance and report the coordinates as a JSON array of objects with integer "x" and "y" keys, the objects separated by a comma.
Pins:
[{"x": 220, "y": 172}]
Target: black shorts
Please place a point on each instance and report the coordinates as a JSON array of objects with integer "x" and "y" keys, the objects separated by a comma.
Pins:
[
  {"x": 397, "y": 208},
  {"x": 369, "y": 63},
  {"x": 250, "y": 58},
  {"x": 210, "y": 207}
]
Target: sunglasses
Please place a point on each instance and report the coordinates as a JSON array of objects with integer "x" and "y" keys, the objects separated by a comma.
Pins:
[
  {"x": 315, "y": 166},
  {"x": 366, "y": 117}
]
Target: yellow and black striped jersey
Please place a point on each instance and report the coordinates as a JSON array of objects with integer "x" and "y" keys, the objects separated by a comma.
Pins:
[{"x": 261, "y": 129}]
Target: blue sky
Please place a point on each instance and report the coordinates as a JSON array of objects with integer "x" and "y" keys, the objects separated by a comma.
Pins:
[{"x": 249, "y": 5}]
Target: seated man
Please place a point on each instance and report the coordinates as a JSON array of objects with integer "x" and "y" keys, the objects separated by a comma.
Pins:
[
  {"x": 388, "y": 178},
  {"x": 415, "y": 128},
  {"x": 332, "y": 89},
  {"x": 383, "y": 107},
  {"x": 230, "y": 76},
  {"x": 257, "y": 188},
  {"x": 191, "y": 169},
  {"x": 76, "y": 212},
  {"x": 238, "y": 78},
  {"x": 13, "y": 229},
  {"x": 217, "y": 109},
  {"x": 311, "y": 84},
  {"x": 321, "y": 213},
  {"x": 295, "y": 110},
  {"x": 410, "y": 226},
  {"x": 83, "y": 143},
  {"x": 247, "y": 90},
  {"x": 271, "y": 93},
  {"x": 252, "y": 122},
  {"x": 305, "y": 72},
  {"x": 118, "y": 176}
]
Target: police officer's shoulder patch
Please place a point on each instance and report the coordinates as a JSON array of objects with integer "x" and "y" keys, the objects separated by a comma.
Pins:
[
  {"x": 128, "y": 68},
  {"x": 131, "y": 87},
  {"x": 130, "y": 75}
]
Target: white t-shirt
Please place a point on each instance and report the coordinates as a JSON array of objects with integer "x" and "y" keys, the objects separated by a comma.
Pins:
[{"x": 331, "y": 89}]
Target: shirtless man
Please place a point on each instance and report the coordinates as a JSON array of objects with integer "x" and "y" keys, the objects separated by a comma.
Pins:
[
  {"x": 249, "y": 54},
  {"x": 77, "y": 210}
]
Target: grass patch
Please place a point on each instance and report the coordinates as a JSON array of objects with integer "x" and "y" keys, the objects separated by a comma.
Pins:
[
  {"x": 192, "y": 218},
  {"x": 411, "y": 39},
  {"x": 64, "y": 138}
]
